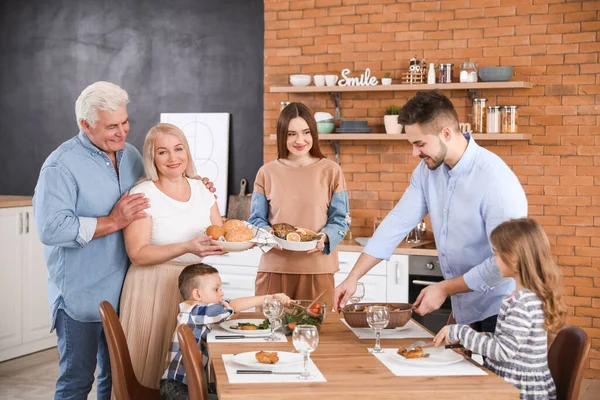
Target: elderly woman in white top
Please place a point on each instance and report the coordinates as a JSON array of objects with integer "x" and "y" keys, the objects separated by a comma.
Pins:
[{"x": 161, "y": 245}]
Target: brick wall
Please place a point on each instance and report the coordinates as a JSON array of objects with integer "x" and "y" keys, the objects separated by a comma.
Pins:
[{"x": 552, "y": 43}]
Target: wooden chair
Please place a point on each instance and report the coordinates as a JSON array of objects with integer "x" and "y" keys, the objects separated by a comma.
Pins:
[
  {"x": 566, "y": 358},
  {"x": 194, "y": 367},
  {"x": 125, "y": 384}
]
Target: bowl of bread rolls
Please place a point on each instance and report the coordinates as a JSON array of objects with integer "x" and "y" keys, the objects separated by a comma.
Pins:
[{"x": 233, "y": 235}]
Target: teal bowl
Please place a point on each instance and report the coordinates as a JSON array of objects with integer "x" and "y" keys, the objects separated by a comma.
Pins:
[{"x": 325, "y": 127}]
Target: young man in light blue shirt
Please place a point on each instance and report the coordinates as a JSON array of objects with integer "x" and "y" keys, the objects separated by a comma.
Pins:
[{"x": 467, "y": 191}]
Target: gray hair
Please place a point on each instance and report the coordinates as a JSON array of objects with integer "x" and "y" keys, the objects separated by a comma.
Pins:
[{"x": 98, "y": 96}]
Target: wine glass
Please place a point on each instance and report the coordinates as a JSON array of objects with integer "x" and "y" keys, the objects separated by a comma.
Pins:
[
  {"x": 272, "y": 309},
  {"x": 378, "y": 317},
  {"x": 305, "y": 339},
  {"x": 358, "y": 294}
]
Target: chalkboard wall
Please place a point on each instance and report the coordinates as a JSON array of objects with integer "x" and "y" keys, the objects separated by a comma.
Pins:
[{"x": 171, "y": 56}]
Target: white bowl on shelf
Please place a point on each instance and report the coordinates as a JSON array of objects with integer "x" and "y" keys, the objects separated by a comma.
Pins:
[{"x": 300, "y": 80}]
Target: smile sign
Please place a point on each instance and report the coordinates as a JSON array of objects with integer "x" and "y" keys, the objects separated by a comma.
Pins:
[{"x": 364, "y": 80}]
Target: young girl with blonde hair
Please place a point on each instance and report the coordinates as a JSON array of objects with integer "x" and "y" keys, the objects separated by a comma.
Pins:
[{"x": 517, "y": 351}]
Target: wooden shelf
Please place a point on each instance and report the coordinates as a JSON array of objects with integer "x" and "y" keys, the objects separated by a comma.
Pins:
[
  {"x": 383, "y": 136},
  {"x": 394, "y": 88}
]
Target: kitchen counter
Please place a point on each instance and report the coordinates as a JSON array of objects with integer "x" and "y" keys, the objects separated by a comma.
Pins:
[
  {"x": 410, "y": 249},
  {"x": 15, "y": 201}
]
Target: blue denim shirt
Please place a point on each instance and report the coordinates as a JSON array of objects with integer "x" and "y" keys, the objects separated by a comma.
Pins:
[
  {"x": 78, "y": 184},
  {"x": 338, "y": 217},
  {"x": 465, "y": 204}
]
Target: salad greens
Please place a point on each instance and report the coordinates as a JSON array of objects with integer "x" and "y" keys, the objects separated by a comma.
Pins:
[{"x": 264, "y": 325}]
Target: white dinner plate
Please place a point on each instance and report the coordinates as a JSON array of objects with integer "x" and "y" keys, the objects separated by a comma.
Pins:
[
  {"x": 233, "y": 322},
  {"x": 286, "y": 359},
  {"x": 437, "y": 356}
]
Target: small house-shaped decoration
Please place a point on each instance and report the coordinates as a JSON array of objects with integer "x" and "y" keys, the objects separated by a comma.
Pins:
[{"x": 417, "y": 72}]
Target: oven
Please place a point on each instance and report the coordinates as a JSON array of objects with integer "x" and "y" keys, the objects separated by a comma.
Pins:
[{"x": 422, "y": 272}]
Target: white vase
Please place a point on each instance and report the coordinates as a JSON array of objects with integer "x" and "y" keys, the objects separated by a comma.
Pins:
[
  {"x": 391, "y": 124},
  {"x": 386, "y": 81}
]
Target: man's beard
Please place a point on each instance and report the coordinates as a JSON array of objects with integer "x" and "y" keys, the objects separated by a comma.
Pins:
[{"x": 439, "y": 158}]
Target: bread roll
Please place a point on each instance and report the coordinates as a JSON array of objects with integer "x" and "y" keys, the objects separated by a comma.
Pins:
[
  {"x": 242, "y": 234},
  {"x": 232, "y": 224},
  {"x": 215, "y": 231}
]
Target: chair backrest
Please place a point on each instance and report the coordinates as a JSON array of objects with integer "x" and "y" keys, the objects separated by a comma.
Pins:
[
  {"x": 566, "y": 358},
  {"x": 125, "y": 384},
  {"x": 192, "y": 362}
]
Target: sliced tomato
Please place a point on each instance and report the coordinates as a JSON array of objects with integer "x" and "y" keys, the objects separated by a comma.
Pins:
[{"x": 292, "y": 325}]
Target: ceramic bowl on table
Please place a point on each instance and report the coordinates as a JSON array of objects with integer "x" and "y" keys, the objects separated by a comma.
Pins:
[
  {"x": 293, "y": 315},
  {"x": 495, "y": 74},
  {"x": 356, "y": 314},
  {"x": 300, "y": 80}
]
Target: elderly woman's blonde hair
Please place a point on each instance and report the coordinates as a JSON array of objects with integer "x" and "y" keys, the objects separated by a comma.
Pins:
[{"x": 149, "y": 166}]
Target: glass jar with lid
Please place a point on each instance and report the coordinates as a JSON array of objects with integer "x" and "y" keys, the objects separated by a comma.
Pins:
[
  {"x": 509, "y": 119},
  {"x": 468, "y": 72},
  {"x": 493, "y": 119},
  {"x": 446, "y": 73},
  {"x": 479, "y": 117}
]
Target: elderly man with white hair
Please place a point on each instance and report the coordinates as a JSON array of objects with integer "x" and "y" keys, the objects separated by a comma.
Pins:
[{"x": 81, "y": 204}]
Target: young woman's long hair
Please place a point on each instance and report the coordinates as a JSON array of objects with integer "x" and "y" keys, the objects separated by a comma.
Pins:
[
  {"x": 291, "y": 111},
  {"x": 523, "y": 246}
]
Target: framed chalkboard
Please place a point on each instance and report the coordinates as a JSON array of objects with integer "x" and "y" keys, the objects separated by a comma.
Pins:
[{"x": 171, "y": 56}]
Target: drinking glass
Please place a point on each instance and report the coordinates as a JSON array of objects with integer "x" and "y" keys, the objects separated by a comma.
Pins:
[
  {"x": 359, "y": 294},
  {"x": 272, "y": 309},
  {"x": 378, "y": 317},
  {"x": 305, "y": 339}
]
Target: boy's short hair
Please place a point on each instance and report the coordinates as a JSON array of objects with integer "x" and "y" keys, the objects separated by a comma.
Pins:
[{"x": 189, "y": 278}]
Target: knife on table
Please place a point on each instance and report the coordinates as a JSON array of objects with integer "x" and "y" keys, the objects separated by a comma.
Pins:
[{"x": 265, "y": 371}]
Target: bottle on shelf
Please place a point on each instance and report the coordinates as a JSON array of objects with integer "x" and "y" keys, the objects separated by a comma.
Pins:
[{"x": 431, "y": 74}]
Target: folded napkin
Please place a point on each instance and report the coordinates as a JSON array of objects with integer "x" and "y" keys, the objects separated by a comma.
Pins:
[
  {"x": 399, "y": 368},
  {"x": 231, "y": 367},
  {"x": 248, "y": 339},
  {"x": 264, "y": 240},
  {"x": 408, "y": 331}
]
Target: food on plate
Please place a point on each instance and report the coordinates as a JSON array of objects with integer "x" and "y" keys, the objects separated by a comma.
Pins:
[
  {"x": 231, "y": 224},
  {"x": 292, "y": 237},
  {"x": 239, "y": 234},
  {"x": 294, "y": 234},
  {"x": 364, "y": 308},
  {"x": 267, "y": 357},
  {"x": 281, "y": 230},
  {"x": 247, "y": 326},
  {"x": 215, "y": 231},
  {"x": 417, "y": 352}
]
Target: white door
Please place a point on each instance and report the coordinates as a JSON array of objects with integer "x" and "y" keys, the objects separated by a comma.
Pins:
[
  {"x": 397, "y": 279},
  {"x": 11, "y": 233},
  {"x": 36, "y": 311}
]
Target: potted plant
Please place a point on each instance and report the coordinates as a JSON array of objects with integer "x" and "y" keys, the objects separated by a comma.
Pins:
[
  {"x": 387, "y": 79},
  {"x": 391, "y": 120}
]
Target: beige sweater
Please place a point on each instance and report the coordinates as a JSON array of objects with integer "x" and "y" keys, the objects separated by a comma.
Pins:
[{"x": 300, "y": 197}]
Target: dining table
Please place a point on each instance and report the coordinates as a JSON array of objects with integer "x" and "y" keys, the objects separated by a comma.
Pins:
[{"x": 351, "y": 372}]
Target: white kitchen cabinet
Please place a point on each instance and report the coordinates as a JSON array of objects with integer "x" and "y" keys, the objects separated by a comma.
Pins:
[
  {"x": 375, "y": 288},
  {"x": 24, "y": 309},
  {"x": 237, "y": 271},
  {"x": 397, "y": 279}
]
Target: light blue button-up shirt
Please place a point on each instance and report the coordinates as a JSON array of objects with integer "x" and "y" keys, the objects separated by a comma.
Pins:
[
  {"x": 465, "y": 204},
  {"x": 77, "y": 184}
]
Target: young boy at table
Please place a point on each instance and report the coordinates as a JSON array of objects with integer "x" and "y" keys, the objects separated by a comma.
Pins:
[{"x": 204, "y": 306}]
